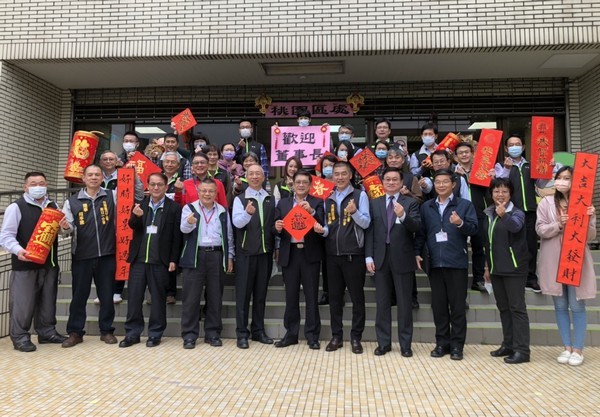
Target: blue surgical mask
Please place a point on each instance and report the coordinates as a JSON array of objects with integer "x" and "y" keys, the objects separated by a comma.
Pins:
[
  {"x": 342, "y": 154},
  {"x": 428, "y": 140},
  {"x": 381, "y": 153},
  {"x": 328, "y": 172},
  {"x": 344, "y": 136},
  {"x": 303, "y": 122},
  {"x": 515, "y": 151},
  {"x": 229, "y": 155},
  {"x": 36, "y": 192}
]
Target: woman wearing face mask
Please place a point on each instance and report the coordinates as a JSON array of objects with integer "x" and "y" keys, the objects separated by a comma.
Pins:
[
  {"x": 200, "y": 140},
  {"x": 507, "y": 264},
  {"x": 552, "y": 217},
  {"x": 327, "y": 163},
  {"x": 284, "y": 188},
  {"x": 381, "y": 152},
  {"x": 227, "y": 161},
  {"x": 344, "y": 150}
]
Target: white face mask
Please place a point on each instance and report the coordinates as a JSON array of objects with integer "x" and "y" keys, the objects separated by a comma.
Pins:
[
  {"x": 344, "y": 136},
  {"x": 128, "y": 147},
  {"x": 245, "y": 133},
  {"x": 562, "y": 185},
  {"x": 303, "y": 122},
  {"x": 37, "y": 192}
]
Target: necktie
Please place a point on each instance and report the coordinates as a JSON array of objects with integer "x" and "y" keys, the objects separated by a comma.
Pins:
[{"x": 390, "y": 217}]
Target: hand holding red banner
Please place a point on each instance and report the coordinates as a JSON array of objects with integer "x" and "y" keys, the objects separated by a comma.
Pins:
[
  {"x": 144, "y": 167},
  {"x": 542, "y": 147},
  {"x": 298, "y": 222},
  {"x": 365, "y": 162},
  {"x": 485, "y": 157},
  {"x": 576, "y": 228},
  {"x": 184, "y": 121},
  {"x": 125, "y": 193}
]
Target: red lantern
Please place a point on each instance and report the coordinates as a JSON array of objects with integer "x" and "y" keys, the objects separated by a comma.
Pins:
[
  {"x": 373, "y": 187},
  {"x": 449, "y": 142},
  {"x": 82, "y": 153},
  {"x": 43, "y": 236}
]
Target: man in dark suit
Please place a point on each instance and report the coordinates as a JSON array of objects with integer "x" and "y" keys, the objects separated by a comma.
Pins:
[
  {"x": 153, "y": 253},
  {"x": 389, "y": 251},
  {"x": 300, "y": 260}
]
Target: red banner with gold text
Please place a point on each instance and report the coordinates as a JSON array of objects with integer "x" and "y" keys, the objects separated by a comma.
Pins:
[
  {"x": 144, "y": 167},
  {"x": 485, "y": 157},
  {"x": 575, "y": 232},
  {"x": 125, "y": 200},
  {"x": 542, "y": 147}
]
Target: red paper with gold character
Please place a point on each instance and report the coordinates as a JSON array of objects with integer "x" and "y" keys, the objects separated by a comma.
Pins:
[
  {"x": 298, "y": 222},
  {"x": 542, "y": 147},
  {"x": 320, "y": 187},
  {"x": 144, "y": 167},
  {"x": 485, "y": 157},
  {"x": 125, "y": 201},
  {"x": 365, "y": 162},
  {"x": 81, "y": 155},
  {"x": 184, "y": 121},
  {"x": 575, "y": 232},
  {"x": 43, "y": 236},
  {"x": 448, "y": 143},
  {"x": 373, "y": 187}
]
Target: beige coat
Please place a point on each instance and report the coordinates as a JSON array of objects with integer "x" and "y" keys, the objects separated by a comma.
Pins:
[{"x": 547, "y": 227}]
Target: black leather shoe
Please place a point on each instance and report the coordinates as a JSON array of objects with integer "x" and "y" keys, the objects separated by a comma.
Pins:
[
  {"x": 324, "y": 300},
  {"x": 456, "y": 354},
  {"x": 314, "y": 345},
  {"x": 153, "y": 342},
  {"x": 439, "y": 351},
  {"x": 189, "y": 343},
  {"x": 25, "y": 346},
  {"x": 407, "y": 353},
  {"x": 478, "y": 286},
  {"x": 243, "y": 343},
  {"x": 214, "y": 341},
  {"x": 382, "y": 350},
  {"x": 55, "y": 338},
  {"x": 128, "y": 341},
  {"x": 263, "y": 338},
  {"x": 356, "y": 347},
  {"x": 334, "y": 345},
  {"x": 285, "y": 342},
  {"x": 503, "y": 351},
  {"x": 517, "y": 357}
]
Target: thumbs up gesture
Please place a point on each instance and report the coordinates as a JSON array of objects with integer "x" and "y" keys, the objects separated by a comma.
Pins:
[
  {"x": 250, "y": 209},
  {"x": 138, "y": 211},
  {"x": 191, "y": 219}
]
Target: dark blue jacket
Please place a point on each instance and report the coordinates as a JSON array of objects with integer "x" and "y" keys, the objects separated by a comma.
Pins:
[{"x": 452, "y": 253}]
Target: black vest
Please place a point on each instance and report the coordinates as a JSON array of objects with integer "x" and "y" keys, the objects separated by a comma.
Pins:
[
  {"x": 524, "y": 195},
  {"x": 344, "y": 236},
  {"x": 30, "y": 215},
  {"x": 94, "y": 225},
  {"x": 254, "y": 238}
]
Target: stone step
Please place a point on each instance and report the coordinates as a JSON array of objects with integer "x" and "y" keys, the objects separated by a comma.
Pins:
[
  {"x": 275, "y": 310},
  {"x": 478, "y": 332},
  {"x": 277, "y": 293}
]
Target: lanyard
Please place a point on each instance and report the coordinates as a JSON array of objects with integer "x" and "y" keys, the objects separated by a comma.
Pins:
[
  {"x": 155, "y": 208},
  {"x": 207, "y": 221}
]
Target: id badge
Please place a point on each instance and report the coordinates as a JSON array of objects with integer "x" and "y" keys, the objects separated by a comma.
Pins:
[
  {"x": 151, "y": 230},
  {"x": 441, "y": 237}
]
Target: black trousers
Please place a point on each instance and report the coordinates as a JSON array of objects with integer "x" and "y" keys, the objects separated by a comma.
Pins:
[
  {"x": 324, "y": 275},
  {"x": 172, "y": 286},
  {"x": 155, "y": 277},
  {"x": 347, "y": 271},
  {"x": 207, "y": 275},
  {"x": 477, "y": 251},
  {"x": 510, "y": 300},
  {"x": 448, "y": 295},
  {"x": 252, "y": 275},
  {"x": 386, "y": 282},
  {"x": 102, "y": 271},
  {"x": 301, "y": 271},
  {"x": 532, "y": 245}
]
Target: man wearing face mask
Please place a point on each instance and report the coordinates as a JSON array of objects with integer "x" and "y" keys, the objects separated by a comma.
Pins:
[
  {"x": 419, "y": 164},
  {"x": 33, "y": 287},
  {"x": 518, "y": 171},
  {"x": 199, "y": 140},
  {"x": 131, "y": 141},
  {"x": 248, "y": 144}
]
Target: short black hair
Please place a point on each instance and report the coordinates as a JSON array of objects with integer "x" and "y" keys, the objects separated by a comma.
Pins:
[
  {"x": 212, "y": 148},
  {"x": 383, "y": 120},
  {"x": 34, "y": 174},
  {"x": 463, "y": 145},
  {"x": 346, "y": 126},
  {"x": 344, "y": 164},
  {"x": 171, "y": 135},
  {"x": 305, "y": 173},
  {"x": 502, "y": 182},
  {"x": 250, "y": 155},
  {"x": 159, "y": 174},
  {"x": 208, "y": 180},
  {"x": 392, "y": 169},
  {"x": 446, "y": 172},
  {"x": 200, "y": 136},
  {"x": 303, "y": 113},
  {"x": 200, "y": 155},
  {"x": 440, "y": 152},
  {"x": 513, "y": 135},
  {"x": 431, "y": 126}
]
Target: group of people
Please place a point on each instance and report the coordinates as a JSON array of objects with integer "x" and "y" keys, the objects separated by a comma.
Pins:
[{"x": 211, "y": 211}]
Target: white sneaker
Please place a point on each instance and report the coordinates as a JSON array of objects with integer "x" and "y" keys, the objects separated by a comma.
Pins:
[
  {"x": 564, "y": 357},
  {"x": 97, "y": 301},
  {"x": 576, "y": 359},
  {"x": 117, "y": 298}
]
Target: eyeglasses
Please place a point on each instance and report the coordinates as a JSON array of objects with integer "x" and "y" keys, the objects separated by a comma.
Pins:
[
  {"x": 108, "y": 159},
  {"x": 199, "y": 163},
  {"x": 439, "y": 163},
  {"x": 156, "y": 184},
  {"x": 302, "y": 182},
  {"x": 447, "y": 182}
]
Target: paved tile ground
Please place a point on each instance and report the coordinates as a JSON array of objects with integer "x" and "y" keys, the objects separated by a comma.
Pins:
[{"x": 94, "y": 379}]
